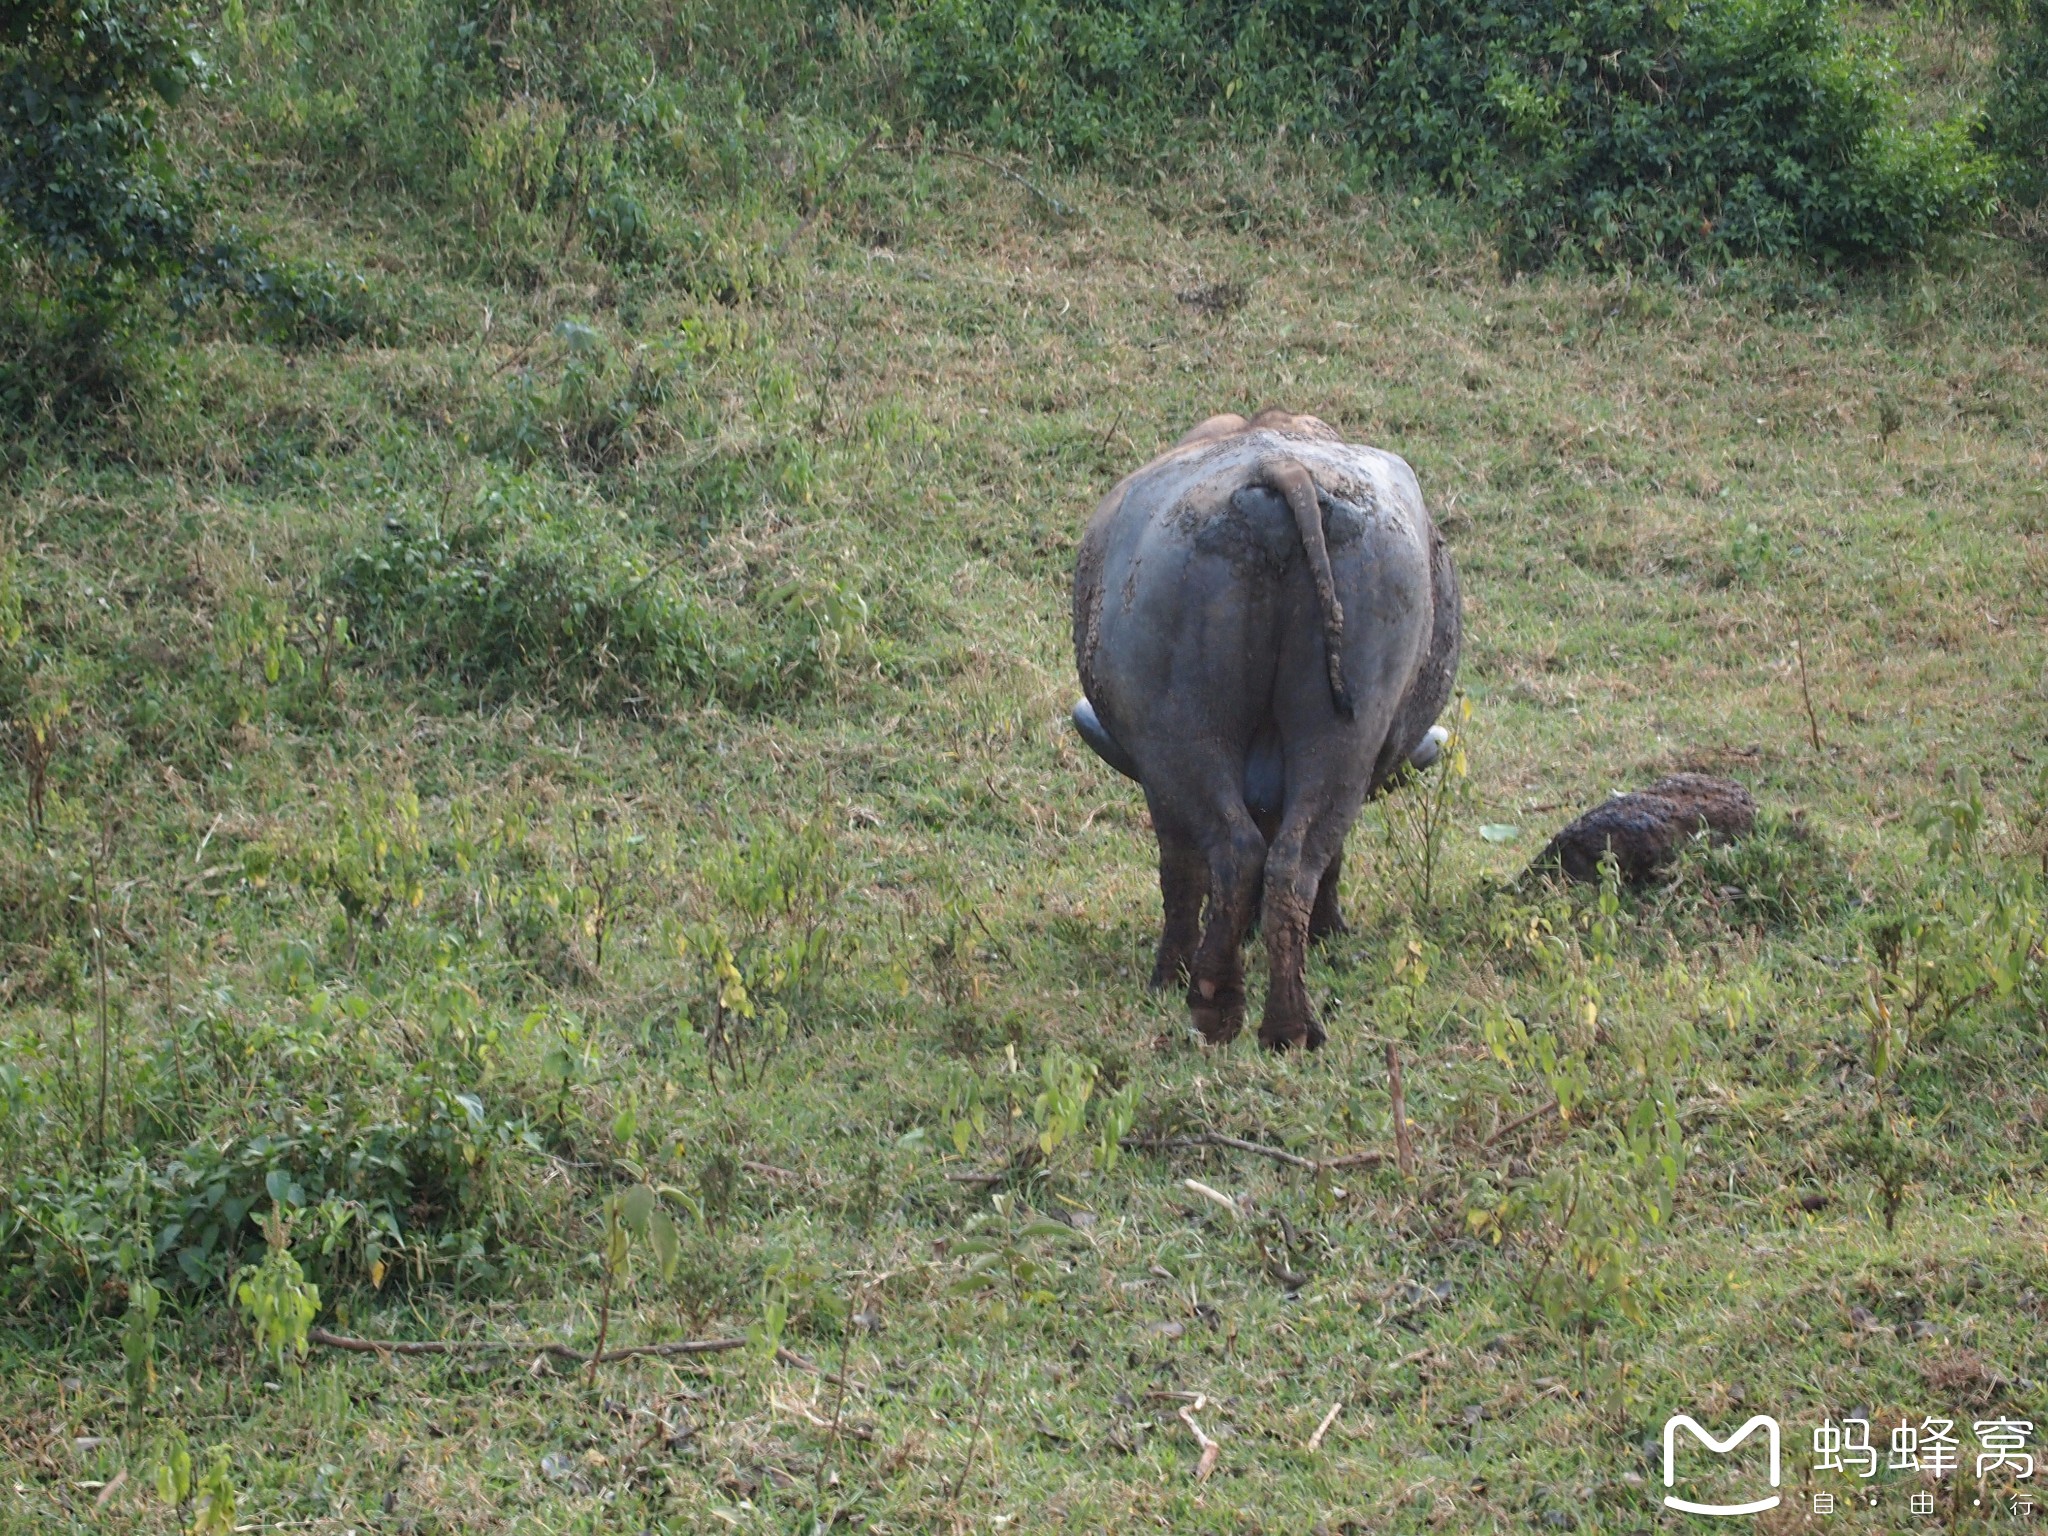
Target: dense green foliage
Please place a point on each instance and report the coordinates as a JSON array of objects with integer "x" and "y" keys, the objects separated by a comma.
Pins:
[
  {"x": 560, "y": 599},
  {"x": 537, "y": 811},
  {"x": 93, "y": 212},
  {"x": 85, "y": 175},
  {"x": 2016, "y": 116},
  {"x": 1622, "y": 129}
]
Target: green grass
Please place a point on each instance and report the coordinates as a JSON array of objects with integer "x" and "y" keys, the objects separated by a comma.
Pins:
[{"x": 855, "y": 494}]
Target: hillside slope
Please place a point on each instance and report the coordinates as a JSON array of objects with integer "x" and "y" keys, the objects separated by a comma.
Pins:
[{"x": 586, "y": 721}]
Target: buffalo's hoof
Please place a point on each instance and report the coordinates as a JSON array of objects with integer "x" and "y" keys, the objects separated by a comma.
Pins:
[
  {"x": 1308, "y": 1037},
  {"x": 1218, "y": 1018},
  {"x": 1168, "y": 971}
]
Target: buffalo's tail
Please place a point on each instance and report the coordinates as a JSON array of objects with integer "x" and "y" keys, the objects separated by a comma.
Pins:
[{"x": 1293, "y": 483}]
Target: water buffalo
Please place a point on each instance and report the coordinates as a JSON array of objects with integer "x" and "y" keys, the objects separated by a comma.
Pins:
[{"x": 1266, "y": 627}]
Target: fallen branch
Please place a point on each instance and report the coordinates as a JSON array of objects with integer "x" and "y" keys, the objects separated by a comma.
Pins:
[
  {"x": 1209, "y": 1192},
  {"x": 1063, "y": 209},
  {"x": 1404, "y": 1150},
  {"x": 1806, "y": 693},
  {"x": 340, "y": 1341},
  {"x": 674, "y": 1347},
  {"x": 1315, "y": 1440},
  {"x": 1236, "y": 1143},
  {"x": 791, "y": 1358},
  {"x": 1023, "y": 1160},
  {"x": 1211, "y": 1449},
  {"x": 1521, "y": 1120},
  {"x": 1278, "y": 1269}
]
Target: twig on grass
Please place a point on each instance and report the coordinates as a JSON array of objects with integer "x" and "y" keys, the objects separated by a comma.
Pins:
[
  {"x": 1315, "y": 1440},
  {"x": 1064, "y": 209},
  {"x": 340, "y": 1341},
  {"x": 1030, "y": 1156},
  {"x": 973, "y": 1440},
  {"x": 1211, "y": 1449},
  {"x": 1237, "y": 1143},
  {"x": 536, "y": 1348},
  {"x": 1210, "y": 1192},
  {"x": 1103, "y": 446},
  {"x": 1519, "y": 1121},
  {"x": 792, "y": 1358},
  {"x": 1805, "y": 692},
  {"x": 1404, "y": 1149},
  {"x": 838, "y": 1402}
]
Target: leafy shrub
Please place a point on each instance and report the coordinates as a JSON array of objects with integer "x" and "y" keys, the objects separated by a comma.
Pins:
[
  {"x": 522, "y": 595},
  {"x": 94, "y": 214},
  {"x": 601, "y": 415},
  {"x": 516, "y": 596},
  {"x": 370, "y": 85},
  {"x": 517, "y": 114},
  {"x": 1620, "y": 130},
  {"x": 759, "y": 962},
  {"x": 1782, "y": 874},
  {"x": 299, "y": 303},
  {"x": 2016, "y": 117},
  {"x": 84, "y": 172},
  {"x": 372, "y": 1193}
]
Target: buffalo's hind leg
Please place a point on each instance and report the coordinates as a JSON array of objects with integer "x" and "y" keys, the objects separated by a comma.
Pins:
[
  {"x": 1183, "y": 885},
  {"x": 1326, "y": 918},
  {"x": 1301, "y": 865},
  {"x": 1208, "y": 846},
  {"x": 1237, "y": 859}
]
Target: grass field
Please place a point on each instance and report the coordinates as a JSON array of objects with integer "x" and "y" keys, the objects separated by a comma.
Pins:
[{"x": 600, "y": 726}]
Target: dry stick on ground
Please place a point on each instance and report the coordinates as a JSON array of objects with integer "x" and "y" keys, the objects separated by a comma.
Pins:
[
  {"x": 839, "y": 1402},
  {"x": 613, "y": 1258},
  {"x": 1315, "y": 1440},
  {"x": 328, "y": 1340},
  {"x": 672, "y": 1348},
  {"x": 1185, "y": 1143},
  {"x": 1064, "y": 210},
  {"x": 1211, "y": 1450},
  {"x": 973, "y": 1439},
  {"x": 1805, "y": 692},
  {"x": 791, "y": 1357},
  {"x": 1404, "y": 1150},
  {"x": 1519, "y": 1121},
  {"x": 1208, "y": 1192},
  {"x": 1103, "y": 446},
  {"x": 99, "y": 958},
  {"x": 1218, "y": 1139}
]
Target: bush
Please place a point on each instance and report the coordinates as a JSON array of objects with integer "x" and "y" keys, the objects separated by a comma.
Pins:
[
  {"x": 96, "y": 219},
  {"x": 1619, "y": 130},
  {"x": 93, "y": 214},
  {"x": 519, "y": 595},
  {"x": 85, "y": 176},
  {"x": 1783, "y": 875},
  {"x": 422, "y": 1190},
  {"x": 515, "y": 596},
  {"x": 511, "y": 111},
  {"x": 2016, "y": 117}
]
